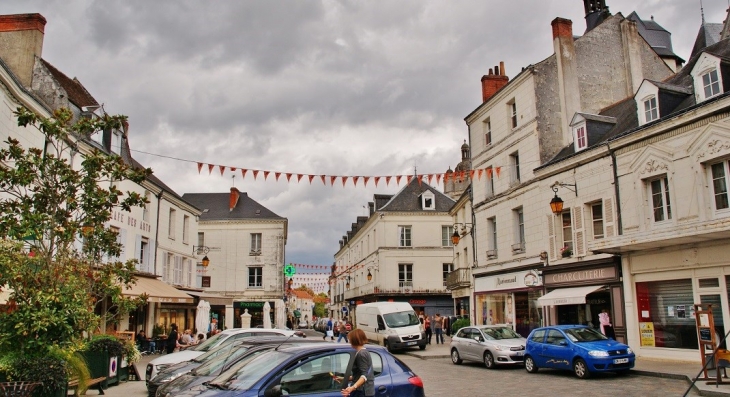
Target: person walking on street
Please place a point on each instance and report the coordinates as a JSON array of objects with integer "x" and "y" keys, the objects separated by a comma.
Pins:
[
  {"x": 172, "y": 338},
  {"x": 429, "y": 332},
  {"x": 438, "y": 327},
  {"x": 329, "y": 330},
  {"x": 362, "y": 382},
  {"x": 344, "y": 325}
]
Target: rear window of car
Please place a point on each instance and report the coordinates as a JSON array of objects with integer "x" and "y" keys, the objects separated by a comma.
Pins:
[{"x": 538, "y": 336}]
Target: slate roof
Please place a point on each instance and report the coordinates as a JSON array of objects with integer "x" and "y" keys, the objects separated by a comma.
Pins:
[
  {"x": 77, "y": 93},
  {"x": 217, "y": 206},
  {"x": 409, "y": 199},
  {"x": 658, "y": 38},
  {"x": 708, "y": 35}
]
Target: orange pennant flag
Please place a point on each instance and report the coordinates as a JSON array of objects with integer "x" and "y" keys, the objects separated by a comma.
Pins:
[
  {"x": 243, "y": 173},
  {"x": 397, "y": 179},
  {"x": 266, "y": 173},
  {"x": 233, "y": 169},
  {"x": 222, "y": 168},
  {"x": 332, "y": 180},
  {"x": 376, "y": 179},
  {"x": 387, "y": 180},
  {"x": 200, "y": 165},
  {"x": 438, "y": 179},
  {"x": 210, "y": 168},
  {"x": 420, "y": 179},
  {"x": 409, "y": 178},
  {"x": 288, "y": 177},
  {"x": 299, "y": 177},
  {"x": 365, "y": 180},
  {"x": 429, "y": 177},
  {"x": 489, "y": 172},
  {"x": 344, "y": 180},
  {"x": 471, "y": 174},
  {"x": 255, "y": 174},
  {"x": 479, "y": 173},
  {"x": 498, "y": 170},
  {"x": 446, "y": 177},
  {"x": 323, "y": 180},
  {"x": 354, "y": 180}
]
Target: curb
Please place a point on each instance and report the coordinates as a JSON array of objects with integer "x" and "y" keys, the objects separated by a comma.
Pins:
[{"x": 709, "y": 393}]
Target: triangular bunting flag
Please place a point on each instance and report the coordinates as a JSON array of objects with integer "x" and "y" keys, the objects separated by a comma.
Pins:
[
  {"x": 479, "y": 173},
  {"x": 365, "y": 180},
  {"x": 243, "y": 173},
  {"x": 200, "y": 165},
  {"x": 233, "y": 169},
  {"x": 266, "y": 173},
  {"x": 299, "y": 177},
  {"x": 288, "y": 176},
  {"x": 210, "y": 168},
  {"x": 277, "y": 175},
  {"x": 332, "y": 180},
  {"x": 344, "y": 180},
  {"x": 255, "y": 174},
  {"x": 498, "y": 170},
  {"x": 489, "y": 172},
  {"x": 471, "y": 174},
  {"x": 420, "y": 179},
  {"x": 310, "y": 178},
  {"x": 323, "y": 180},
  {"x": 429, "y": 177},
  {"x": 354, "y": 180},
  {"x": 387, "y": 180},
  {"x": 376, "y": 179},
  {"x": 409, "y": 178},
  {"x": 438, "y": 179},
  {"x": 397, "y": 179},
  {"x": 446, "y": 177},
  {"x": 222, "y": 168}
]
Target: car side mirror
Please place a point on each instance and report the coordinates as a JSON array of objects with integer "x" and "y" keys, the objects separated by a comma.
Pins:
[
  {"x": 563, "y": 343},
  {"x": 273, "y": 391}
]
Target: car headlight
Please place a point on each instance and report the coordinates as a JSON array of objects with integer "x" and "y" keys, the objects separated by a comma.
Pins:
[
  {"x": 598, "y": 353},
  {"x": 500, "y": 347},
  {"x": 628, "y": 350},
  {"x": 171, "y": 377}
]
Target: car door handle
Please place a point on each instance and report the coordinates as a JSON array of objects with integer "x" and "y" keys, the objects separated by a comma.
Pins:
[{"x": 381, "y": 388}]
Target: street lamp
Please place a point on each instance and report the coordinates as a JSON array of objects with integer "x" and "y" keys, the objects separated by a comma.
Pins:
[
  {"x": 347, "y": 285},
  {"x": 456, "y": 236},
  {"x": 201, "y": 249},
  {"x": 370, "y": 276},
  {"x": 556, "y": 204}
]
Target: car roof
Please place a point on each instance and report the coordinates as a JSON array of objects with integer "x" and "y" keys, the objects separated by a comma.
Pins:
[
  {"x": 564, "y": 326},
  {"x": 240, "y": 330},
  {"x": 314, "y": 347},
  {"x": 261, "y": 340}
]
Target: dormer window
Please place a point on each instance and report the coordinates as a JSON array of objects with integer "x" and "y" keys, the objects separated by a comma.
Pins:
[
  {"x": 116, "y": 144},
  {"x": 428, "y": 201},
  {"x": 651, "y": 112},
  {"x": 581, "y": 140},
  {"x": 711, "y": 83}
]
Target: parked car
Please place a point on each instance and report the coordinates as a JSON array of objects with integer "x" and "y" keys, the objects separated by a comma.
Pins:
[
  {"x": 229, "y": 335},
  {"x": 578, "y": 348},
  {"x": 489, "y": 344},
  {"x": 321, "y": 324},
  {"x": 315, "y": 369},
  {"x": 216, "y": 358}
]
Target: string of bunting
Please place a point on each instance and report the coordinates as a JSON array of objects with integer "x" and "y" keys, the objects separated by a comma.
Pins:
[{"x": 489, "y": 173}]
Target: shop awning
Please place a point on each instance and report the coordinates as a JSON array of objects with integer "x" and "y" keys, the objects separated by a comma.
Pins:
[
  {"x": 213, "y": 299},
  {"x": 567, "y": 296},
  {"x": 157, "y": 291}
]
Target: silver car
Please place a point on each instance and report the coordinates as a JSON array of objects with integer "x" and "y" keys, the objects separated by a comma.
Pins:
[{"x": 490, "y": 344}]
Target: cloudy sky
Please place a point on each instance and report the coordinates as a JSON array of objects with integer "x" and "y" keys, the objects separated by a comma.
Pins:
[{"x": 311, "y": 87}]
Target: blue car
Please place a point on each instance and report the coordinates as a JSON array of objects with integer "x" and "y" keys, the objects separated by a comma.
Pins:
[
  {"x": 578, "y": 348},
  {"x": 315, "y": 369}
]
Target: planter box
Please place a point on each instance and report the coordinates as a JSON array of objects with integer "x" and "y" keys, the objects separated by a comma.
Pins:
[{"x": 98, "y": 364}]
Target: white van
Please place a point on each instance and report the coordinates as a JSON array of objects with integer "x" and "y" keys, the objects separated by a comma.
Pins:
[{"x": 394, "y": 325}]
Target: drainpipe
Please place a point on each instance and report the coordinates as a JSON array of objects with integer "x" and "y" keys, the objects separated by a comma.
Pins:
[{"x": 616, "y": 190}]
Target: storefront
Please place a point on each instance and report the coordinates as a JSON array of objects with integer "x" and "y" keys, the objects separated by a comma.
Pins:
[
  {"x": 577, "y": 293},
  {"x": 221, "y": 309},
  {"x": 165, "y": 305},
  {"x": 255, "y": 309},
  {"x": 509, "y": 298}
]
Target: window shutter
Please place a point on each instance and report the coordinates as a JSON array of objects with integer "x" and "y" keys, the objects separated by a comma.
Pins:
[
  {"x": 178, "y": 271},
  {"x": 137, "y": 249},
  {"x": 551, "y": 236},
  {"x": 608, "y": 217},
  {"x": 165, "y": 266},
  {"x": 190, "y": 271},
  {"x": 579, "y": 232},
  {"x": 151, "y": 249},
  {"x": 123, "y": 241}
]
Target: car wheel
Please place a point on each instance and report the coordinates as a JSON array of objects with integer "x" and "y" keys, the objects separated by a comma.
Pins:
[
  {"x": 530, "y": 365},
  {"x": 580, "y": 368},
  {"x": 455, "y": 357},
  {"x": 489, "y": 360},
  {"x": 387, "y": 346}
]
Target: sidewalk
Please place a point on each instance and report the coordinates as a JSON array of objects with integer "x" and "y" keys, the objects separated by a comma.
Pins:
[{"x": 646, "y": 367}]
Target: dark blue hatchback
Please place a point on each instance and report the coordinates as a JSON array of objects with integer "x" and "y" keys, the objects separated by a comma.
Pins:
[
  {"x": 317, "y": 369},
  {"x": 578, "y": 348}
]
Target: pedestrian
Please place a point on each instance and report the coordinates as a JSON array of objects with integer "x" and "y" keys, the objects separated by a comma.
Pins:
[
  {"x": 329, "y": 330},
  {"x": 429, "y": 332},
  {"x": 343, "y": 331},
  {"x": 172, "y": 338},
  {"x": 438, "y": 327},
  {"x": 362, "y": 383}
]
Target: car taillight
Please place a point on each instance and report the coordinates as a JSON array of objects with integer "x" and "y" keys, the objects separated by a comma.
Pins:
[{"x": 416, "y": 381}]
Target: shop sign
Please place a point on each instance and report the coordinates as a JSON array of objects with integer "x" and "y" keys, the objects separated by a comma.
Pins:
[
  {"x": 250, "y": 305},
  {"x": 526, "y": 279},
  {"x": 603, "y": 273},
  {"x": 646, "y": 330},
  {"x": 206, "y": 282},
  {"x": 417, "y": 302}
]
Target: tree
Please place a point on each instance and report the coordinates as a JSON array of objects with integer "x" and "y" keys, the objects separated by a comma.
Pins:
[
  {"x": 57, "y": 256},
  {"x": 306, "y": 289},
  {"x": 320, "y": 308}
]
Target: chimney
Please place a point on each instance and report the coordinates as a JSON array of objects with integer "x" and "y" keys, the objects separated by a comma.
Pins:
[
  {"x": 493, "y": 82},
  {"x": 235, "y": 195},
  {"x": 569, "y": 91},
  {"x": 21, "y": 42}
]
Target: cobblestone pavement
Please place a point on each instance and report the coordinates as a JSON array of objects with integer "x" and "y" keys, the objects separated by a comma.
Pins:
[{"x": 442, "y": 378}]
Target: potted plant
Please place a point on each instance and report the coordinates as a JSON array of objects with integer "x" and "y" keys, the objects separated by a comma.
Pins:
[
  {"x": 130, "y": 356},
  {"x": 103, "y": 355},
  {"x": 51, "y": 370},
  {"x": 566, "y": 252}
]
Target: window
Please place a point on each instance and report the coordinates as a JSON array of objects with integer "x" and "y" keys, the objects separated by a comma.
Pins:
[
  {"x": 144, "y": 248},
  {"x": 146, "y": 208},
  {"x": 719, "y": 184},
  {"x": 186, "y": 228},
  {"x": 404, "y": 236},
  {"x": 519, "y": 246},
  {"x": 538, "y": 336},
  {"x": 116, "y": 142},
  {"x": 167, "y": 268},
  {"x": 201, "y": 240},
  {"x": 660, "y": 199},
  {"x": 178, "y": 271},
  {"x": 189, "y": 270},
  {"x": 446, "y": 233},
  {"x": 405, "y": 275},
  {"x": 650, "y": 110},
  {"x": 668, "y": 304},
  {"x": 487, "y": 132},
  {"x": 567, "y": 230},
  {"x": 580, "y": 137},
  {"x": 490, "y": 181},
  {"x": 555, "y": 337},
  {"x": 447, "y": 268},
  {"x": 255, "y": 244},
  {"x": 513, "y": 113},
  {"x": 515, "y": 163},
  {"x": 710, "y": 83},
  {"x": 313, "y": 377},
  {"x": 171, "y": 224},
  {"x": 428, "y": 201},
  {"x": 255, "y": 277},
  {"x": 597, "y": 220},
  {"x": 492, "y": 224}
]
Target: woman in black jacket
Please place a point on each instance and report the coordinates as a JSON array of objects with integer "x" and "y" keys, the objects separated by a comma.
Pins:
[{"x": 172, "y": 338}]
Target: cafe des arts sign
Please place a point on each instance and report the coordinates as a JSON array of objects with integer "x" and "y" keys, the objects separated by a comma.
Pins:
[{"x": 508, "y": 281}]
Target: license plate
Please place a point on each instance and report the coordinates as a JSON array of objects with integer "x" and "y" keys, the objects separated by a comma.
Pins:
[
  {"x": 410, "y": 343},
  {"x": 518, "y": 353},
  {"x": 621, "y": 361}
]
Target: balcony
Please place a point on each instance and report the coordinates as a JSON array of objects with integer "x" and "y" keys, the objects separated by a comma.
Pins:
[
  {"x": 459, "y": 278},
  {"x": 406, "y": 287}
]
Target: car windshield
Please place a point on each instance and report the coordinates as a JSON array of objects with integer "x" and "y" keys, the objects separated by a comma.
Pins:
[
  {"x": 584, "y": 335},
  {"x": 214, "y": 352},
  {"x": 214, "y": 365},
  {"x": 247, "y": 372},
  {"x": 497, "y": 333},
  {"x": 209, "y": 343},
  {"x": 401, "y": 319}
]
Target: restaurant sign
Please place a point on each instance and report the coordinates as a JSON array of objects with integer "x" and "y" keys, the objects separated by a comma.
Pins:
[
  {"x": 581, "y": 276},
  {"x": 526, "y": 279}
]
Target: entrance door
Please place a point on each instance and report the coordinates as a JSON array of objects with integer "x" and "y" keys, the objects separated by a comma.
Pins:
[{"x": 716, "y": 301}]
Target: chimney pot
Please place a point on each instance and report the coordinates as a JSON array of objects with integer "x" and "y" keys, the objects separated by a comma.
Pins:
[
  {"x": 501, "y": 68},
  {"x": 493, "y": 82},
  {"x": 496, "y": 71}
]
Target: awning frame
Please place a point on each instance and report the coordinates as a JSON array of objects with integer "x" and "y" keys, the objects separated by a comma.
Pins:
[{"x": 568, "y": 296}]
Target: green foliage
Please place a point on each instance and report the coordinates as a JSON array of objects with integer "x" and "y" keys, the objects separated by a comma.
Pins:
[
  {"x": 157, "y": 330},
  {"x": 460, "y": 323},
  {"x": 105, "y": 343},
  {"x": 131, "y": 352},
  {"x": 52, "y": 370},
  {"x": 57, "y": 252}
]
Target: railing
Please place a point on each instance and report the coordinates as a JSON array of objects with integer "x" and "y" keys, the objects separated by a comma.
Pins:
[{"x": 459, "y": 278}]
